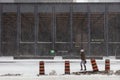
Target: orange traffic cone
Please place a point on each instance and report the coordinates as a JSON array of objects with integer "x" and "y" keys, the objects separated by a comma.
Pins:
[
  {"x": 94, "y": 65},
  {"x": 67, "y": 67},
  {"x": 41, "y": 68}
]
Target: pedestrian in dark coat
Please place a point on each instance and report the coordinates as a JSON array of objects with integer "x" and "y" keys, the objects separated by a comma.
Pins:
[{"x": 83, "y": 59}]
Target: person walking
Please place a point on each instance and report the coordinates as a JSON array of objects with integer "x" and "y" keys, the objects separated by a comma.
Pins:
[{"x": 83, "y": 59}]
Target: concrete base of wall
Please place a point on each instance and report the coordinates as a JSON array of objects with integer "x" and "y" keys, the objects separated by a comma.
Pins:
[{"x": 56, "y": 57}]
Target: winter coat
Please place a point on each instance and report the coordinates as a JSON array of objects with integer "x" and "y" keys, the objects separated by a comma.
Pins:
[{"x": 83, "y": 56}]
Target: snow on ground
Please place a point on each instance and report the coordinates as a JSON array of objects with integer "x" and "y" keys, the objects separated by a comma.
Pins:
[
  {"x": 66, "y": 77},
  {"x": 29, "y": 68}
]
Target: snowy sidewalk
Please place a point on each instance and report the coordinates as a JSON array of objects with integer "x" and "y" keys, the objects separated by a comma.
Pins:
[
  {"x": 29, "y": 68},
  {"x": 65, "y": 77}
]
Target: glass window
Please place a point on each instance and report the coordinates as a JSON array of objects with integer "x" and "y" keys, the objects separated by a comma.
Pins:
[
  {"x": 62, "y": 49},
  {"x": 27, "y": 27},
  {"x": 9, "y": 33},
  {"x": 25, "y": 8},
  {"x": 80, "y": 27},
  {"x": 27, "y": 49},
  {"x": 62, "y": 27},
  {"x": 98, "y": 49},
  {"x": 62, "y": 22},
  {"x": 114, "y": 49},
  {"x": 80, "y": 8},
  {"x": 98, "y": 7},
  {"x": 45, "y": 29},
  {"x": 45, "y": 25},
  {"x": 9, "y": 8},
  {"x": 44, "y": 49},
  {"x": 114, "y": 27},
  {"x": 114, "y": 7},
  {"x": 97, "y": 27}
]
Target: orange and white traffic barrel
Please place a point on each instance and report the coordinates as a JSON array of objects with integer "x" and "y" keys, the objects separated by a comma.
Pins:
[
  {"x": 107, "y": 65},
  {"x": 41, "y": 68},
  {"x": 94, "y": 65},
  {"x": 67, "y": 67}
]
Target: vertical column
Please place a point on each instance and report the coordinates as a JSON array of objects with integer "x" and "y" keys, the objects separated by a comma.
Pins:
[
  {"x": 53, "y": 27},
  {"x": 81, "y": 43},
  {"x": 36, "y": 21},
  {"x": 71, "y": 27},
  {"x": 0, "y": 28},
  {"x": 89, "y": 31},
  {"x": 106, "y": 28},
  {"x": 18, "y": 28}
]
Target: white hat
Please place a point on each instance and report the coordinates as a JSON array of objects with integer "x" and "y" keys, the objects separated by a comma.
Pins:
[{"x": 82, "y": 50}]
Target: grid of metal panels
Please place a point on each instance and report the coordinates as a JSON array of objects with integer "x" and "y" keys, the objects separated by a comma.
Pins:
[{"x": 29, "y": 29}]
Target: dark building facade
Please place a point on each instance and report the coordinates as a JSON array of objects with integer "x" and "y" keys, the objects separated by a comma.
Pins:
[{"x": 33, "y": 29}]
